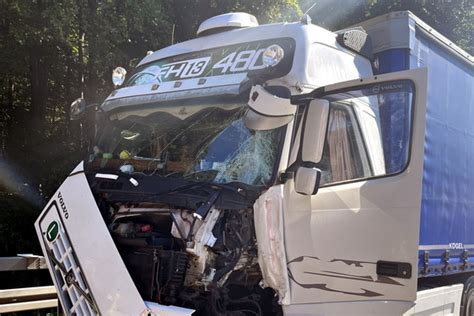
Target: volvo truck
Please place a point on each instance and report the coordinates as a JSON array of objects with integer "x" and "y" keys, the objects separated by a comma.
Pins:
[{"x": 278, "y": 169}]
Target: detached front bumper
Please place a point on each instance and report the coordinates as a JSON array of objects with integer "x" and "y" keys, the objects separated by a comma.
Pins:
[{"x": 85, "y": 265}]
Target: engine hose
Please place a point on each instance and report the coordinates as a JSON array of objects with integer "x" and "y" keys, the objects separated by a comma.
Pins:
[{"x": 220, "y": 273}]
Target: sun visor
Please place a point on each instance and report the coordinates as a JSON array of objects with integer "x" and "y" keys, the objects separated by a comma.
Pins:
[
  {"x": 259, "y": 122},
  {"x": 269, "y": 108},
  {"x": 151, "y": 98}
]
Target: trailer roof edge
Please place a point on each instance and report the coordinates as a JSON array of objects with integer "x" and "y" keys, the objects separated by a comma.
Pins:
[{"x": 423, "y": 27}]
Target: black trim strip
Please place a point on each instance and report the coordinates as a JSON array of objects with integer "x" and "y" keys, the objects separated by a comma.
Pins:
[
  {"x": 357, "y": 278},
  {"x": 270, "y": 116},
  {"x": 75, "y": 173},
  {"x": 324, "y": 287},
  {"x": 302, "y": 98}
]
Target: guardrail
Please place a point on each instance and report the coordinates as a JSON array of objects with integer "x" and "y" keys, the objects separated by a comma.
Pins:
[
  {"x": 30, "y": 298},
  {"x": 22, "y": 262}
]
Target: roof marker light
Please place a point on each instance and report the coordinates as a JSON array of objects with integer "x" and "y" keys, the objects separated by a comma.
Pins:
[{"x": 118, "y": 76}]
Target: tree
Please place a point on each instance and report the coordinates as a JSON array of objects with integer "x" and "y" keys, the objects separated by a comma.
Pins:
[{"x": 187, "y": 15}]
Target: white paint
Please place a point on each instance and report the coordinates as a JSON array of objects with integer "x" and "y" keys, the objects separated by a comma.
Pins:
[
  {"x": 367, "y": 308},
  {"x": 315, "y": 131},
  {"x": 107, "y": 176},
  {"x": 269, "y": 104},
  {"x": 164, "y": 310},
  {"x": 133, "y": 181},
  {"x": 330, "y": 63},
  {"x": 440, "y": 301},
  {"x": 268, "y": 217},
  {"x": 234, "y": 19},
  {"x": 363, "y": 221}
]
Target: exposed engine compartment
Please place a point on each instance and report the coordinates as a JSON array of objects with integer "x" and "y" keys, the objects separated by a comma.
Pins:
[{"x": 204, "y": 258}]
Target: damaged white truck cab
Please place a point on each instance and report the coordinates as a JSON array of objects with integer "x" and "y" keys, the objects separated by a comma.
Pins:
[{"x": 200, "y": 195}]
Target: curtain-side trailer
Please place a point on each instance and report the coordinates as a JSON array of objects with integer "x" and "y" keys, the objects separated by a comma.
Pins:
[
  {"x": 277, "y": 169},
  {"x": 446, "y": 245}
]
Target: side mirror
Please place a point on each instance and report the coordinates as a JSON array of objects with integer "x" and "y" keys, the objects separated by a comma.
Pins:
[
  {"x": 269, "y": 108},
  {"x": 307, "y": 177},
  {"x": 314, "y": 131},
  {"x": 78, "y": 108},
  {"x": 307, "y": 180}
]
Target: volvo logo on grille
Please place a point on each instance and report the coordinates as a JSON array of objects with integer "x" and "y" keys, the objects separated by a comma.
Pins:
[
  {"x": 53, "y": 231},
  {"x": 63, "y": 206}
]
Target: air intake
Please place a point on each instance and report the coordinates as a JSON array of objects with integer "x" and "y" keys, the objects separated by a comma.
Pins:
[{"x": 225, "y": 22}]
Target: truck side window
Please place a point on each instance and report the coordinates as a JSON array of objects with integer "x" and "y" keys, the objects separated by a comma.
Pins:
[
  {"x": 368, "y": 133},
  {"x": 344, "y": 156}
]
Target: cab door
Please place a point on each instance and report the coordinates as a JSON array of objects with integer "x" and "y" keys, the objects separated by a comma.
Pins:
[{"x": 356, "y": 239}]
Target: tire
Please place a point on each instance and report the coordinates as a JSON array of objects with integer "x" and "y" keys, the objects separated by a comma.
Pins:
[{"x": 467, "y": 300}]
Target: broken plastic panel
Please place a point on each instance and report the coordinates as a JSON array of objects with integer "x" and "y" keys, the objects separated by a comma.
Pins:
[{"x": 269, "y": 108}]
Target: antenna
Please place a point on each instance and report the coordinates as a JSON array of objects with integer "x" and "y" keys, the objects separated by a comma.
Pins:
[
  {"x": 172, "y": 34},
  {"x": 310, "y": 8}
]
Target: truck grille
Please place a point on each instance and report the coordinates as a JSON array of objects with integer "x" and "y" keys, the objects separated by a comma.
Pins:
[{"x": 73, "y": 290}]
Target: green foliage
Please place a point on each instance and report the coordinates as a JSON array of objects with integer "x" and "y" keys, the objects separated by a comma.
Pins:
[
  {"x": 15, "y": 218},
  {"x": 189, "y": 14}
]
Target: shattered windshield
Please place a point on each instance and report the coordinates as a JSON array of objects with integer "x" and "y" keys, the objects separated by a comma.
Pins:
[{"x": 198, "y": 141}]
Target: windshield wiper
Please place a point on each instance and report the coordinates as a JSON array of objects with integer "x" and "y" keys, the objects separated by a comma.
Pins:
[
  {"x": 181, "y": 192},
  {"x": 232, "y": 195},
  {"x": 202, "y": 184},
  {"x": 202, "y": 210},
  {"x": 200, "y": 175}
]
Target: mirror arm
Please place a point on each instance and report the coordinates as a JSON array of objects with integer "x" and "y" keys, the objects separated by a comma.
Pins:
[
  {"x": 307, "y": 97},
  {"x": 285, "y": 176},
  {"x": 260, "y": 76},
  {"x": 290, "y": 172}
]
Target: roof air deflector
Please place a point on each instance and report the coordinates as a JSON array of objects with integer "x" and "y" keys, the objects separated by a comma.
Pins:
[{"x": 225, "y": 22}]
